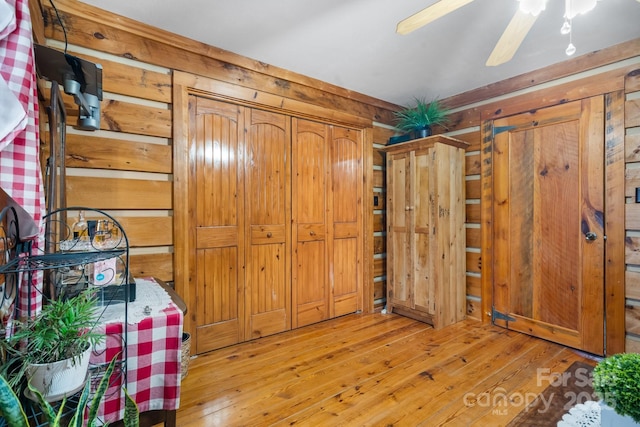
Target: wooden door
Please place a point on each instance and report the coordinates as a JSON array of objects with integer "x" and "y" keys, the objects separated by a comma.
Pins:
[
  {"x": 345, "y": 236},
  {"x": 268, "y": 209},
  {"x": 216, "y": 222},
  {"x": 548, "y": 224},
  {"x": 310, "y": 175},
  {"x": 327, "y": 217},
  {"x": 401, "y": 182}
]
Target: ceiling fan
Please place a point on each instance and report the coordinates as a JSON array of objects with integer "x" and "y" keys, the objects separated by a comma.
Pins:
[{"x": 515, "y": 32}]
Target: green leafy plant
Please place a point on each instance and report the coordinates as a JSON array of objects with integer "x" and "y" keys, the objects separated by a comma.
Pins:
[
  {"x": 12, "y": 411},
  {"x": 422, "y": 115},
  {"x": 616, "y": 381},
  {"x": 62, "y": 330}
]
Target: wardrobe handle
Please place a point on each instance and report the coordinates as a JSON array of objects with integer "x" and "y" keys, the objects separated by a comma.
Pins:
[
  {"x": 269, "y": 234},
  {"x": 312, "y": 233}
]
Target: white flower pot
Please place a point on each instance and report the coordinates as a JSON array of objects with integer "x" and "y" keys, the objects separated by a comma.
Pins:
[
  {"x": 59, "y": 379},
  {"x": 610, "y": 418}
]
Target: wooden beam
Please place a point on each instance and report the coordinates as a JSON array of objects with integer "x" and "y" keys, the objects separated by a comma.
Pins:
[
  {"x": 486, "y": 220},
  {"x": 614, "y": 223},
  {"x": 586, "y": 62},
  {"x": 368, "y": 290}
]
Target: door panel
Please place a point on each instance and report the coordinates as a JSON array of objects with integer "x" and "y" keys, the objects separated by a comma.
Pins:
[
  {"x": 548, "y": 194},
  {"x": 216, "y": 222},
  {"x": 345, "y": 276},
  {"x": 346, "y": 216},
  {"x": 310, "y": 284},
  {"x": 217, "y": 308},
  {"x": 309, "y": 217},
  {"x": 425, "y": 266},
  {"x": 267, "y": 203},
  {"x": 399, "y": 267}
]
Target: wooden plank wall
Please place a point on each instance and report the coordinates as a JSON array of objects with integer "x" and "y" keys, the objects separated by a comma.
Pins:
[
  {"x": 632, "y": 210},
  {"x": 381, "y": 135},
  {"x": 125, "y": 167}
]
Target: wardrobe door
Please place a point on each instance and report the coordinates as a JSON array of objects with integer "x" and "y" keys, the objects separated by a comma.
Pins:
[
  {"x": 345, "y": 236},
  {"x": 310, "y": 175},
  {"x": 216, "y": 222},
  {"x": 268, "y": 213}
]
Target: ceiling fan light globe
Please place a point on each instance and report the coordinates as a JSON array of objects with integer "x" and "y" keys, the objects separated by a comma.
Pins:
[
  {"x": 571, "y": 49},
  {"x": 576, "y": 7},
  {"x": 533, "y": 7}
]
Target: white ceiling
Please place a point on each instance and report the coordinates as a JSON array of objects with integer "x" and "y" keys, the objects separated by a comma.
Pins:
[{"x": 353, "y": 44}]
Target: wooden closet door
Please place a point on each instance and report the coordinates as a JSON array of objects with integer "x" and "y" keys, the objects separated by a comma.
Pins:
[
  {"x": 216, "y": 222},
  {"x": 310, "y": 275},
  {"x": 268, "y": 208},
  {"x": 327, "y": 250},
  {"x": 345, "y": 237}
]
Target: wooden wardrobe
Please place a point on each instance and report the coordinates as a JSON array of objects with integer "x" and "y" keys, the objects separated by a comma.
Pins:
[
  {"x": 275, "y": 220},
  {"x": 425, "y": 230}
]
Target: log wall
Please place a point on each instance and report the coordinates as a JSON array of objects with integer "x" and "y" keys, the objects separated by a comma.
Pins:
[
  {"x": 632, "y": 209},
  {"x": 126, "y": 167}
]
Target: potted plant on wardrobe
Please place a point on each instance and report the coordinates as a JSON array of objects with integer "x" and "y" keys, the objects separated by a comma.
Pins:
[
  {"x": 419, "y": 119},
  {"x": 52, "y": 350},
  {"x": 616, "y": 381}
]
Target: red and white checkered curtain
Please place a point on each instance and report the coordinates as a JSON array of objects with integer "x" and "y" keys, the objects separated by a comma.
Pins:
[{"x": 20, "y": 173}]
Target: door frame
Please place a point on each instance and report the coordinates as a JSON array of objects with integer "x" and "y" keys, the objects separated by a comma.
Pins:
[
  {"x": 614, "y": 209},
  {"x": 185, "y": 84}
]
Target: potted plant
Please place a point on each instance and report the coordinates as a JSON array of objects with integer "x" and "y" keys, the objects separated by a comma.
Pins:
[
  {"x": 15, "y": 416},
  {"x": 420, "y": 119},
  {"x": 52, "y": 350},
  {"x": 616, "y": 381}
]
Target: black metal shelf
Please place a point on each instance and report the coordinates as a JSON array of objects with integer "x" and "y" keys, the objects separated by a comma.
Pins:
[
  {"x": 59, "y": 255},
  {"x": 57, "y": 260}
]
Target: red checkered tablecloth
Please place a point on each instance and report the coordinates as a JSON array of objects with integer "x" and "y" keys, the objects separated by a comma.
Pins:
[
  {"x": 154, "y": 351},
  {"x": 19, "y": 158}
]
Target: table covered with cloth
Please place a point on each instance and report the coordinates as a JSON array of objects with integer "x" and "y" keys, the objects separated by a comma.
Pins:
[{"x": 154, "y": 343}]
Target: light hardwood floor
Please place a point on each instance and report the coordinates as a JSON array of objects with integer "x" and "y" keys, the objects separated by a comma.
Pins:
[{"x": 371, "y": 370}]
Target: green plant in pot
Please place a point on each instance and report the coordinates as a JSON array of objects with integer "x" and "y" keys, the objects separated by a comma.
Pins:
[
  {"x": 616, "y": 381},
  {"x": 85, "y": 413},
  {"x": 55, "y": 344},
  {"x": 420, "y": 118}
]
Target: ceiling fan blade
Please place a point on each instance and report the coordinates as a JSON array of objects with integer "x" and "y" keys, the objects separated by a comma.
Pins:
[
  {"x": 429, "y": 14},
  {"x": 511, "y": 39}
]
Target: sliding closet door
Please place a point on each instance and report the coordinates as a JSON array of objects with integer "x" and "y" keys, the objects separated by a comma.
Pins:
[
  {"x": 345, "y": 236},
  {"x": 216, "y": 222},
  {"x": 310, "y": 176},
  {"x": 268, "y": 210},
  {"x": 327, "y": 189}
]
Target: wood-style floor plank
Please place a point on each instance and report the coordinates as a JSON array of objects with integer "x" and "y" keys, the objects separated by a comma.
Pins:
[{"x": 371, "y": 370}]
